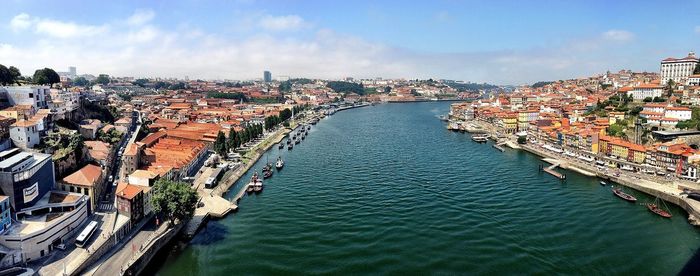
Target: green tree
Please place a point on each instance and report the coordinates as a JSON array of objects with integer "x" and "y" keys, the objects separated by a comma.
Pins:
[
  {"x": 635, "y": 110},
  {"x": 15, "y": 74},
  {"x": 522, "y": 139},
  {"x": 697, "y": 69},
  {"x": 173, "y": 200},
  {"x": 648, "y": 99},
  {"x": 232, "y": 139},
  {"x": 46, "y": 76},
  {"x": 80, "y": 81},
  {"x": 102, "y": 79},
  {"x": 220, "y": 143},
  {"x": 616, "y": 129},
  {"x": 670, "y": 87},
  {"x": 5, "y": 75}
]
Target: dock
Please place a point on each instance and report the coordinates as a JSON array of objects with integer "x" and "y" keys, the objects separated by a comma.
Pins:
[
  {"x": 499, "y": 147},
  {"x": 240, "y": 194},
  {"x": 209, "y": 206},
  {"x": 550, "y": 170}
]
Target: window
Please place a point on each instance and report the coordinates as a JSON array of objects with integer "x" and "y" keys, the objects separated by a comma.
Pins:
[
  {"x": 72, "y": 189},
  {"x": 31, "y": 95}
]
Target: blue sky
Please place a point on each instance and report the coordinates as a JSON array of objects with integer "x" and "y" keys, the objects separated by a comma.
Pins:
[{"x": 504, "y": 42}]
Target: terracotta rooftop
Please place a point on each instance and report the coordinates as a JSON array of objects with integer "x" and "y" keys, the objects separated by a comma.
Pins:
[{"x": 87, "y": 176}]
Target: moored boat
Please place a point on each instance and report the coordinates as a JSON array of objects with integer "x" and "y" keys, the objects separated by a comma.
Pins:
[
  {"x": 602, "y": 183},
  {"x": 267, "y": 174},
  {"x": 279, "y": 164},
  {"x": 297, "y": 141},
  {"x": 657, "y": 210},
  {"x": 258, "y": 186},
  {"x": 480, "y": 138},
  {"x": 619, "y": 193},
  {"x": 290, "y": 146},
  {"x": 280, "y": 146},
  {"x": 251, "y": 186}
]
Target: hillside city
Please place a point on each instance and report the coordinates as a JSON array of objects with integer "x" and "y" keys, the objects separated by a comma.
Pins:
[{"x": 77, "y": 148}]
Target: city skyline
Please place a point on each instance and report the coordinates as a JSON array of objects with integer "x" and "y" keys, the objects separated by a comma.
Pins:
[{"x": 501, "y": 43}]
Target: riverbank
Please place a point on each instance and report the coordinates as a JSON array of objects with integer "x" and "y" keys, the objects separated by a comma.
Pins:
[
  {"x": 373, "y": 207},
  {"x": 666, "y": 192}
]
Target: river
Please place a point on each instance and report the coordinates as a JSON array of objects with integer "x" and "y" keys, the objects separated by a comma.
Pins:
[{"x": 387, "y": 189}]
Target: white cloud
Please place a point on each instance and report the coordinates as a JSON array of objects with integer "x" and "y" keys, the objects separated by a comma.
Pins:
[
  {"x": 150, "y": 51},
  {"x": 60, "y": 29},
  {"x": 140, "y": 17},
  {"x": 618, "y": 35},
  {"x": 697, "y": 29},
  {"x": 282, "y": 23},
  {"x": 20, "y": 22}
]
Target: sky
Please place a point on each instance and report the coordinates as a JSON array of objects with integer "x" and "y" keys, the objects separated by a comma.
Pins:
[{"x": 500, "y": 42}]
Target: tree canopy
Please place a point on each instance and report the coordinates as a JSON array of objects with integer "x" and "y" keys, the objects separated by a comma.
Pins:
[
  {"x": 80, "y": 81},
  {"x": 346, "y": 87},
  {"x": 9, "y": 75},
  {"x": 230, "y": 96},
  {"x": 46, "y": 76},
  {"x": 220, "y": 144},
  {"x": 102, "y": 79},
  {"x": 173, "y": 200}
]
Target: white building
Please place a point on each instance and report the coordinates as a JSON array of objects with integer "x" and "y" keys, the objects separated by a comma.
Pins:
[
  {"x": 25, "y": 134},
  {"x": 643, "y": 91},
  {"x": 678, "y": 69},
  {"x": 693, "y": 80},
  {"x": 26, "y": 95},
  {"x": 678, "y": 112},
  {"x": 62, "y": 103},
  {"x": 40, "y": 228}
]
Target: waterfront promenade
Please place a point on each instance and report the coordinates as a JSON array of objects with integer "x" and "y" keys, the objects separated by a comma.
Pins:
[{"x": 669, "y": 191}]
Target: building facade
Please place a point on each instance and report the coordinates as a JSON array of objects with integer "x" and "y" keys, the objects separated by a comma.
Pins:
[{"x": 678, "y": 69}]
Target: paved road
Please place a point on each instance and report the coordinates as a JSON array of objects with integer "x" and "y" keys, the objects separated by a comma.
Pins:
[
  {"x": 113, "y": 264},
  {"x": 73, "y": 256}
]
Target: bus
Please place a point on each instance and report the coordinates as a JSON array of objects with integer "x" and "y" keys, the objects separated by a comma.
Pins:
[{"x": 86, "y": 234}]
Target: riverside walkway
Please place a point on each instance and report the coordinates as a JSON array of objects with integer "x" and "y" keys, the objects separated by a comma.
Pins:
[
  {"x": 669, "y": 191},
  {"x": 551, "y": 170}
]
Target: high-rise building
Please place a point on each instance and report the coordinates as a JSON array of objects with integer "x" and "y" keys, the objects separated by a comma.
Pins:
[
  {"x": 267, "y": 76},
  {"x": 72, "y": 71}
]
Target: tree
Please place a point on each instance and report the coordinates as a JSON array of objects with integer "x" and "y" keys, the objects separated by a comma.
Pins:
[
  {"x": 648, "y": 99},
  {"x": 173, "y": 200},
  {"x": 635, "y": 110},
  {"x": 232, "y": 139},
  {"x": 220, "y": 144},
  {"x": 5, "y": 75},
  {"x": 346, "y": 87},
  {"x": 616, "y": 129},
  {"x": 15, "y": 74},
  {"x": 697, "y": 69},
  {"x": 102, "y": 79},
  {"x": 46, "y": 76},
  {"x": 658, "y": 100},
  {"x": 387, "y": 89},
  {"x": 285, "y": 114},
  {"x": 522, "y": 139},
  {"x": 670, "y": 87},
  {"x": 80, "y": 81}
]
